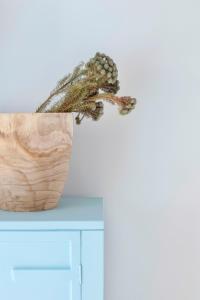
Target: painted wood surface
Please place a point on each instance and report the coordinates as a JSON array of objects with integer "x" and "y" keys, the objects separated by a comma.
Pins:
[
  {"x": 34, "y": 155},
  {"x": 40, "y": 265},
  {"x": 92, "y": 257},
  {"x": 72, "y": 213}
]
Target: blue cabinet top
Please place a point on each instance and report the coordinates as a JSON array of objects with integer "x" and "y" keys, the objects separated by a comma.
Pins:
[{"x": 72, "y": 213}]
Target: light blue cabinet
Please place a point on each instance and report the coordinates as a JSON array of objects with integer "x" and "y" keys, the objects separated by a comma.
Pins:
[{"x": 53, "y": 255}]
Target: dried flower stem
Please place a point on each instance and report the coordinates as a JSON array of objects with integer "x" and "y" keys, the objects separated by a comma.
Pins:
[{"x": 111, "y": 98}]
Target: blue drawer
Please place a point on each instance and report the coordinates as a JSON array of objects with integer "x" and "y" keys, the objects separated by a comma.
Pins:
[{"x": 38, "y": 265}]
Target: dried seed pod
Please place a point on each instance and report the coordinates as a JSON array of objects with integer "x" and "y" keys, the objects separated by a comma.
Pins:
[
  {"x": 78, "y": 120},
  {"x": 111, "y": 63},
  {"x": 133, "y": 101},
  {"x": 103, "y": 72},
  {"x": 123, "y": 111},
  {"x": 106, "y": 69},
  {"x": 99, "y": 67}
]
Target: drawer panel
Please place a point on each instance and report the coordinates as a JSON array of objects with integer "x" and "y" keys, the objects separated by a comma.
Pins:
[
  {"x": 38, "y": 248},
  {"x": 40, "y": 265}
]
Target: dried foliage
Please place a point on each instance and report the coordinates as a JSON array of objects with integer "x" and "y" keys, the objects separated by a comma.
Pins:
[{"x": 84, "y": 90}]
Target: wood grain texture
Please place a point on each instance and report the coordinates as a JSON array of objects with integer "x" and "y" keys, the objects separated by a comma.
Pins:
[{"x": 35, "y": 150}]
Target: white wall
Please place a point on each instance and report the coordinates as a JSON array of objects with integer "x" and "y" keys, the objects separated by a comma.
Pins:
[{"x": 146, "y": 165}]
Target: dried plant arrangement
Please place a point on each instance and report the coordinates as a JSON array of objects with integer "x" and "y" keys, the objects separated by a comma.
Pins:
[
  {"x": 36, "y": 147},
  {"x": 84, "y": 90}
]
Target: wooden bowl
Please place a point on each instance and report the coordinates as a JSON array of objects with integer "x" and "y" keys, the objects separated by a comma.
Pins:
[{"x": 35, "y": 150}]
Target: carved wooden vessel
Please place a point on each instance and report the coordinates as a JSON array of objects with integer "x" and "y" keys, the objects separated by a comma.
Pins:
[{"x": 34, "y": 156}]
